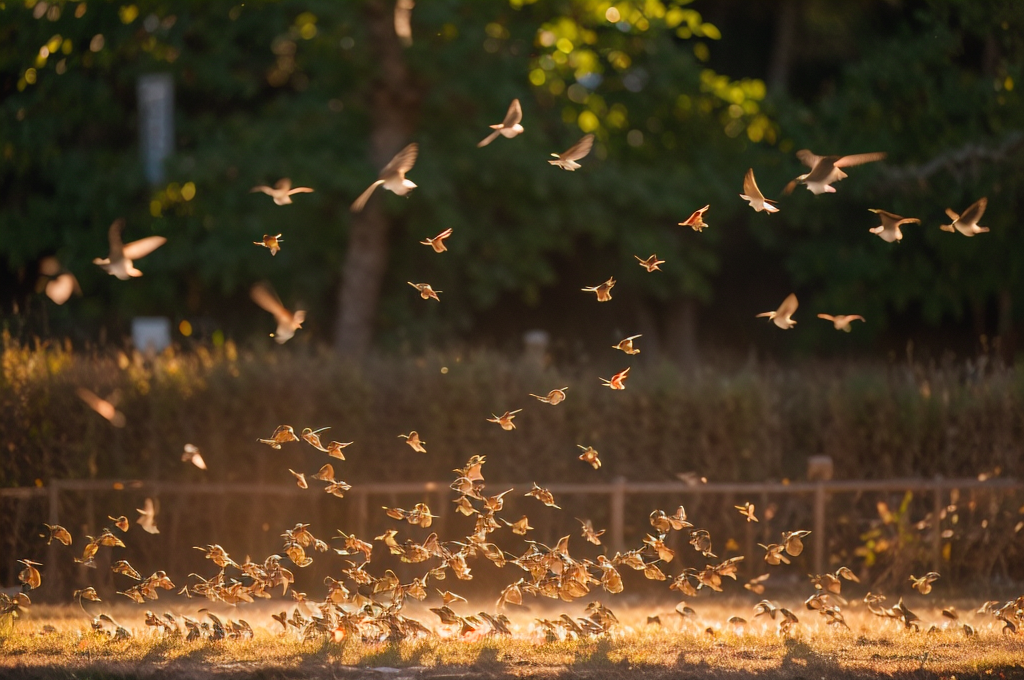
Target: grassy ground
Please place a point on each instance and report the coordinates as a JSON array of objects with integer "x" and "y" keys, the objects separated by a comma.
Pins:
[{"x": 678, "y": 648}]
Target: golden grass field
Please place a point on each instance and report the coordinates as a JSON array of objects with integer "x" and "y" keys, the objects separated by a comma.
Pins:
[{"x": 873, "y": 647}]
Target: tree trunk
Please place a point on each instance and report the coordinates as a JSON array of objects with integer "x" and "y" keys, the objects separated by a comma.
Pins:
[
  {"x": 782, "y": 51},
  {"x": 392, "y": 108}
]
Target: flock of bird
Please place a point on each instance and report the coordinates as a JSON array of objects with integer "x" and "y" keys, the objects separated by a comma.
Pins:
[{"x": 369, "y": 607}]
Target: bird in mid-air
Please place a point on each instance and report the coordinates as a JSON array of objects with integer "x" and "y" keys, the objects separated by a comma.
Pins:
[
  {"x": 782, "y": 317},
  {"x": 120, "y": 261},
  {"x": 287, "y": 322},
  {"x": 651, "y": 263},
  {"x": 281, "y": 192},
  {"x": 271, "y": 243},
  {"x": 842, "y": 321},
  {"x": 437, "y": 243},
  {"x": 61, "y": 283},
  {"x": 617, "y": 381},
  {"x": 967, "y": 223},
  {"x": 509, "y": 127},
  {"x": 553, "y": 397},
  {"x": 889, "y": 229},
  {"x": 392, "y": 177},
  {"x": 627, "y": 345},
  {"x": 696, "y": 220},
  {"x": 567, "y": 159},
  {"x": 827, "y": 169},
  {"x": 403, "y": 21},
  {"x": 426, "y": 292},
  {"x": 752, "y": 195},
  {"x": 603, "y": 291}
]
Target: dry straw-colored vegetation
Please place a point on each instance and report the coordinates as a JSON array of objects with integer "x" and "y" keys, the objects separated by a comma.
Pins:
[{"x": 676, "y": 648}]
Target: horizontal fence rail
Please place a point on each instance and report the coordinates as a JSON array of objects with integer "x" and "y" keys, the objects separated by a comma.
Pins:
[{"x": 616, "y": 495}]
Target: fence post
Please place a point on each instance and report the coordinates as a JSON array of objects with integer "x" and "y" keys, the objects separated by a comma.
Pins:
[
  {"x": 819, "y": 528},
  {"x": 937, "y": 529},
  {"x": 53, "y": 517},
  {"x": 618, "y": 512}
]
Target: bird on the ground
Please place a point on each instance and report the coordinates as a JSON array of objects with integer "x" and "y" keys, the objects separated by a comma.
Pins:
[
  {"x": 889, "y": 229},
  {"x": 696, "y": 220},
  {"x": 192, "y": 455},
  {"x": 147, "y": 517},
  {"x": 590, "y": 456},
  {"x": 554, "y": 396},
  {"x": 842, "y": 322},
  {"x": 752, "y": 195},
  {"x": 509, "y": 127},
  {"x": 281, "y": 192},
  {"x": 505, "y": 420},
  {"x": 967, "y": 223},
  {"x": 627, "y": 345},
  {"x": 437, "y": 243},
  {"x": 102, "y": 407},
  {"x": 426, "y": 292},
  {"x": 782, "y": 317},
  {"x": 617, "y": 381},
  {"x": 392, "y": 176},
  {"x": 120, "y": 261},
  {"x": 414, "y": 441},
  {"x": 827, "y": 169},
  {"x": 603, "y": 291},
  {"x": 287, "y": 322},
  {"x": 271, "y": 243},
  {"x": 651, "y": 263},
  {"x": 567, "y": 159}
]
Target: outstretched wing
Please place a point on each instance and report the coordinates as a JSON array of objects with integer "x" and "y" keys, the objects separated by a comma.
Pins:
[
  {"x": 514, "y": 115},
  {"x": 144, "y": 246},
  {"x": 750, "y": 186},
  {"x": 360, "y": 202},
  {"x": 808, "y": 158},
  {"x": 266, "y": 298},
  {"x": 974, "y": 213},
  {"x": 579, "y": 150},
  {"x": 114, "y": 237},
  {"x": 788, "y": 306},
  {"x": 402, "y": 162},
  {"x": 858, "y": 159}
]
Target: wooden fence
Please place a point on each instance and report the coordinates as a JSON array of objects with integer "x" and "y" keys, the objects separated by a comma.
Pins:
[{"x": 615, "y": 494}]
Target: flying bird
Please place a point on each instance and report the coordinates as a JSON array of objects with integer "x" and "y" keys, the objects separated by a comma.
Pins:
[
  {"x": 842, "y": 322},
  {"x": 426, "y": 292},
  {"x": 62, "y": 284},
  {"x": 287, "y": 322},
  {"x": 102, "y": 407},
  {"x": 192, "y": 455},
  {"x": 554, "y": 396},
  {"x": 392, "y": 177},
  {"x": 281, "y": 192},
  {"x": 120, "y": 261},
  {"x": 967, "y": 223},
  {"x": 696, "y": 220},
  {"x": 272, "y": 243},
  {"x": 282, "y": 435},
  {"x": 782, "y": 316},
  {"x": 567, "y": 159},
  {"x": 752, "y": 195},
  {"x": 627, "y": 345},
  {"x": 147, "y": 517},
  {"x": 403, "y": 21},
  {"x": 437, "y": 243},
  {"x": 510, "y": 127},
  {"x": 618, "y": 381},
  {"x": 604, "y": 290},
  {"x": 651, "y": 263},
  {"x": 889, "y": 229},
  {"x": 505, "y": 420},
  {"x": 827, "y": 169},
  {"x": 747, "y": 510},
  {"x": 590, "y": 456},
  {"x": 413, "y": 440}
]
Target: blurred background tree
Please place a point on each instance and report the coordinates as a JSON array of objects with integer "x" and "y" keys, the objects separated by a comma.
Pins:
[{"x": 675, "y": 92}]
